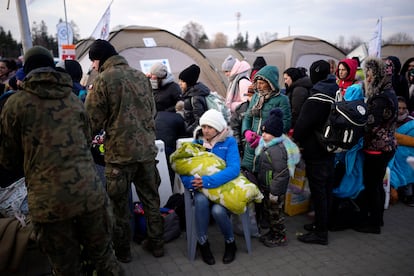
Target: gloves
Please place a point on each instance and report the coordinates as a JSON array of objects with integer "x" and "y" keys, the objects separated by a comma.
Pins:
[{"x": 252, "y": 138}]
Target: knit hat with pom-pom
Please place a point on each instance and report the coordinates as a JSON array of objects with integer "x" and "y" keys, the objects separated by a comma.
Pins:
[{"x": 274, "y": 124}]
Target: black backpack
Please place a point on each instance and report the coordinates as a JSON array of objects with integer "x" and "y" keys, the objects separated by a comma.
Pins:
[{"x": 345, "y": 124}]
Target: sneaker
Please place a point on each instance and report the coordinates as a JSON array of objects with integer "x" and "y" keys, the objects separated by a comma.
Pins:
[
  {"x": 157, "y": 251},
  {"x": 314, "y": 237},
  {"x": 275, "y": 240}
]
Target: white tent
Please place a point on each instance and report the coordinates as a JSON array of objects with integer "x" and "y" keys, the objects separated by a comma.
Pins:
[
  {"x": 142, "y": 46},
  {"x": 300, "y": 51}
]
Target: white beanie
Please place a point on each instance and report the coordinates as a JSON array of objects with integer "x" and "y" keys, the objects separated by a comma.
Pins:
[
  {"x": 159, "y": 69},
  {"x": 228, "y": 63},
  {"x": 214, "y": 119}
]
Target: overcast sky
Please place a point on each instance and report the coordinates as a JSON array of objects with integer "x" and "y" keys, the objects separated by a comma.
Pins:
[{"x": 325, "y": 19}]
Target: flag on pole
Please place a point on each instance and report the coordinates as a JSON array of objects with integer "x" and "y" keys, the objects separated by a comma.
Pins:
[
  {"x": 102, "y": 29},
  {"x": 374, "y": 47}
]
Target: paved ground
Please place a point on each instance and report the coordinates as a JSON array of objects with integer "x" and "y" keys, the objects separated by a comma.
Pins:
[{"x": 348, "y": 253}]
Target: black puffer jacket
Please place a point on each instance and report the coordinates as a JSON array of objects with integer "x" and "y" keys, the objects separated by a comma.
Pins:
[
  {"x": 194, "y": 105},
  {"x": 167, "y": 96},
  {"x": 298, "y": 92}
]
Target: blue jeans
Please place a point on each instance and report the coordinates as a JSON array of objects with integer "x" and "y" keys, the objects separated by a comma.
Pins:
[{"x": 202, "y": 218}]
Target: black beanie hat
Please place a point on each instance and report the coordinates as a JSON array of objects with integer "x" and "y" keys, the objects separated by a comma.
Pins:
[
  {"x": 37, "y": 57},
  {"x": 293, "y": 73},
  {"x": 259, "y": 63},
  {"x": 73, "y": 68},
  {"x": 190, "y": 75},
  {"x": 319, "y": 70},
  {"x": 274, "y": 124},
  {"x": 101, "y": 50}
]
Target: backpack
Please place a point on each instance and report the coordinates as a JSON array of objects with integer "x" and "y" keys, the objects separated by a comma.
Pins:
[
  {"x": 345, "y": 124},
  {"x": 217, "y": 102},
  {"x": 172, "y": 228},
  {"x": 176, "y": 202}
]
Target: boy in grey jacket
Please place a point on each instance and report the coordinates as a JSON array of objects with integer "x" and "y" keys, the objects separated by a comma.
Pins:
[{"x": 276, "y": 157}]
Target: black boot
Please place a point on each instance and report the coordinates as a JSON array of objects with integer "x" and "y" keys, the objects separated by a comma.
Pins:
[
  {"x": 314, "y": 237},
  {"x": 229, "y": 252},
  {"x": 206, "y": 254}
]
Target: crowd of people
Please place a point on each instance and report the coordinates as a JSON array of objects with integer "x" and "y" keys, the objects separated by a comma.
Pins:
[{"x": 49, "y": 120}]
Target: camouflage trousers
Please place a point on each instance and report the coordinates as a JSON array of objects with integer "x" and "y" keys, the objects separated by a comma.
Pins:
[
  {"x": 146, "y": 179},
  {"x": 62, "y": 241},
  {"x": 273, "y": 211}
]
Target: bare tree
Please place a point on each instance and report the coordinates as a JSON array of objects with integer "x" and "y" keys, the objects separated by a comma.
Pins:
[
  {"x": 354, "y": 42},
  {"x": 399, "y": 37},
  {"x": 41, "y": 37},
  {"x": 341, "y": 42},
  {"x": 220, "y": 40},
  {"x": 194, "y": 34},
  {"x": 267, "y": 37}
]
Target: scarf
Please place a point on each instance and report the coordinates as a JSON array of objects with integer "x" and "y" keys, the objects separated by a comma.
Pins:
[
  {"x": 233, "y": 92},
  {"x": 292, "y": 150},
  {"x": 263, "y": 96},
  {"x": 219, "y": 137}
]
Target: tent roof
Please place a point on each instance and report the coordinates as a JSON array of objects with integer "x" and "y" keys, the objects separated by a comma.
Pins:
[
  {"x": 302, "y": 51},
  {"x": 143, "y": 45},
  {"x": 218, "y": 55},
  {"x": 403, "y": 50}
]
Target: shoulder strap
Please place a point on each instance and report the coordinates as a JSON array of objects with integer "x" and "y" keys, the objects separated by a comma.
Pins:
[{"x": 322, "y": 97}]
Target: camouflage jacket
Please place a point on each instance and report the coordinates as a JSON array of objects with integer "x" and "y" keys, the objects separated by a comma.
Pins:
[
  {"x": 46, "y": 131},
  {"x": 121, "y": 102}
]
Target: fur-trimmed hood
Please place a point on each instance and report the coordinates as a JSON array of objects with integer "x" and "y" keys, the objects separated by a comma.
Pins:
[{"x": 380, "y": 80}]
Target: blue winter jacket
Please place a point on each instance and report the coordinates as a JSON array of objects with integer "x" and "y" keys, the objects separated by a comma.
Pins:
[{"x": 226, "y": 150}]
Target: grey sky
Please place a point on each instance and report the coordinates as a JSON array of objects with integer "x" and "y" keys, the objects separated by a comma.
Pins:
[{"x": 325, "y": 19}]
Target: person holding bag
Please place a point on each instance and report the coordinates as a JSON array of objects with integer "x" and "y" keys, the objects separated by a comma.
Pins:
[{"x": 214, "y": 134}]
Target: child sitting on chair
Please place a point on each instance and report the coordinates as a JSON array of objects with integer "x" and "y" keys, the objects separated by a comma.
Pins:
[
  {"x": 214, "y": 134},
  {"x": 276, "y": 158}
]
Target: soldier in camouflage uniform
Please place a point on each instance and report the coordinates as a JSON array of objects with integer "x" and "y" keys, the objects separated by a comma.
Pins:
[
  {"x": 46, "y": 132},
  {"x": 121, "y": 102}
]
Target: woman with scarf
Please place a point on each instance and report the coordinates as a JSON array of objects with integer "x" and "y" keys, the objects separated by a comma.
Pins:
[
  {"x": 166, "y": 91},
  {"x": 267, "y": 97},
  {"x": 238, "y": 74}
]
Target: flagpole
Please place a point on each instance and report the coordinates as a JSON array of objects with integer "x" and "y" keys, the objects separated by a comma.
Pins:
[
  {"x": 24, "y": 25},
  {"x": 380, "y": 37},
  {"x": 66, "y": 20}
]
